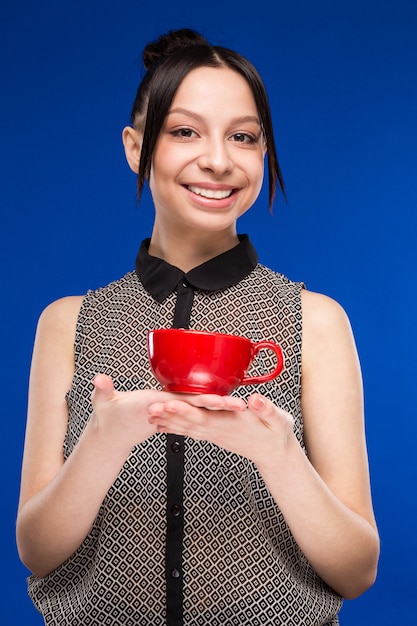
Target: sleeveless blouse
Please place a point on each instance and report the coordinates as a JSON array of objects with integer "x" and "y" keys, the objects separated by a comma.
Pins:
[{"x": 241, "y": 564}]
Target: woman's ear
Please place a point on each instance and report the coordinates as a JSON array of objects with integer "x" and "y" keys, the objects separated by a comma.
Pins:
[{"x": 132, "y": 141}]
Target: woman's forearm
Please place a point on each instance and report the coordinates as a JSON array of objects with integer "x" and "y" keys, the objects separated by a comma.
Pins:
[
  {"x": 53, "y": 523},
  {"x": 341, "y": 544}
]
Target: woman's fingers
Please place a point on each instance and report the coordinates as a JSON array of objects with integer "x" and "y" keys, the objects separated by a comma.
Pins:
[
  {"x": 203, "y": 401},
  {"x": 103, "y": 388}
]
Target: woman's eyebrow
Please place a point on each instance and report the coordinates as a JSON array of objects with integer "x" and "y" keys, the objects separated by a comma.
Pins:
[
  {"x": 244, "y": 119},
  {"x": 186, "y": 112},
  {"x": 236, "y": 120}
]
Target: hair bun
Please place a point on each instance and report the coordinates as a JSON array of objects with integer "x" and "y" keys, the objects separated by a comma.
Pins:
[{"x": 167, "y": 44}]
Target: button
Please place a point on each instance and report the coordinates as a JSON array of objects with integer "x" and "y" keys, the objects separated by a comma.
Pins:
[
  {"x": 176, "y": 446},
  {"x": 175, "y": 510},
  {"x": 175, "y": 573},
  {"x": 185, "y": 284}
]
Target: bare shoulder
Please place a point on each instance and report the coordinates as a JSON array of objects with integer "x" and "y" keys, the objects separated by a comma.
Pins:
[
  {"x": 55, "y": 334},
  {"x": 57, "y": 322},
  {"x": 321, "y": 313},
  {"x": 53, "y": 352},
  {"x": 326, "y": 328},
  {"x": 62, "y": 312},
  {"x": 328, "y": 339}
]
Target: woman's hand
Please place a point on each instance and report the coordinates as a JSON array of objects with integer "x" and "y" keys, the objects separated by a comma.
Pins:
[
  {"x": 256, "y": 430},
  {"x": 120, "y": 416}
]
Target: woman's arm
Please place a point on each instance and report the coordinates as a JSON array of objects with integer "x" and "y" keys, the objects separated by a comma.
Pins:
[
  {"x": 59, "y": 501},
  {"x": 325, "y": 497}
]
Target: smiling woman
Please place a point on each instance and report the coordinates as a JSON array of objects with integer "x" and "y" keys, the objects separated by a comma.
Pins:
[
  {"x": 168, "y": 62},
  {"x": 140, "y": 506},
  {"x": 207, "y": 166}
]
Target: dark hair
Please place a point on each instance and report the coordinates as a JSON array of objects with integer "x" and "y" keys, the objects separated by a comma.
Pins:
[{"x": 168, "y": 60}]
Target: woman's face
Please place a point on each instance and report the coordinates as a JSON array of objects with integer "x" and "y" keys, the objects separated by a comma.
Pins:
[{"x": 208, "y": 162}]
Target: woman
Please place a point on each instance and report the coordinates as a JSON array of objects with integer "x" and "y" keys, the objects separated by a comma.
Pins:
[{"x": 143, "y": 507}]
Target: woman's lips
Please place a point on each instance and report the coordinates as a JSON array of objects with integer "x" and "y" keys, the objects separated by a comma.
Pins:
[
  {"x": 213, "y": 194},
  {"x": 220, "y": 196}
]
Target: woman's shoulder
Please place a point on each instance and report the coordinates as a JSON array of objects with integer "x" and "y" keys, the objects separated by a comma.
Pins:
[
  {"x": 59, "y": 318},
  {"x": 321, "y": 308},
  {"x": 62, "y": 310},
  {"x": 323, "y": 317}
]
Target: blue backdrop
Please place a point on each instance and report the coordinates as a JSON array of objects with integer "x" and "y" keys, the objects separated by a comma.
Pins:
[{"x": 342, "y": 82}]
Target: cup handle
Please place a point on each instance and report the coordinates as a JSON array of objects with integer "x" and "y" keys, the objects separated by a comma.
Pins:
[{"x": 264, "y": 378}]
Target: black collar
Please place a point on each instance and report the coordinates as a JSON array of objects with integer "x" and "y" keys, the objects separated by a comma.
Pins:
[{"x": 160, "y": 278}]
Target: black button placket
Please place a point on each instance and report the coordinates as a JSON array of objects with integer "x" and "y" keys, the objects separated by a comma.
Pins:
[
  {"x": 160, "y": 279},
  {"x": 175, "y": 479}
]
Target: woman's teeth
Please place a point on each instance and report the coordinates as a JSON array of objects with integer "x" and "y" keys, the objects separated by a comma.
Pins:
[{"x": 214, "y": 194}]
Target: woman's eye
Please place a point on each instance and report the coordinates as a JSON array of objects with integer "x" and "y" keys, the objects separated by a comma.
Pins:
[
  {"x": 243, "y": 138},
  {"x": 185, "y": 133}
]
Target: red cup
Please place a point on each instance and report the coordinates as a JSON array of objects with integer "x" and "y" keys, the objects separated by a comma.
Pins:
[{"x": 190, "y": 361}]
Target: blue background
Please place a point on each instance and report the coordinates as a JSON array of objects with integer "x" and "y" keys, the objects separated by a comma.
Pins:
[{"x": 342, "y": 80}]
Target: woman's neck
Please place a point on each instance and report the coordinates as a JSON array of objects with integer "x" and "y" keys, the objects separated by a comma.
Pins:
[{"x": 187, "y": 252}]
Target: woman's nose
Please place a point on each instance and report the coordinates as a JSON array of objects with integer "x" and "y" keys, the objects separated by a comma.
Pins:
[{"x": 215, "y": 156}]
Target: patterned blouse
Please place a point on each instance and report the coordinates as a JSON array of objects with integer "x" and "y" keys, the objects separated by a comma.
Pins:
[{"x": 188, "y": 533}]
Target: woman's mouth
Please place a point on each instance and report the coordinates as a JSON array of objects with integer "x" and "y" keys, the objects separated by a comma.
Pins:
[{"x": 211, "y": 194}]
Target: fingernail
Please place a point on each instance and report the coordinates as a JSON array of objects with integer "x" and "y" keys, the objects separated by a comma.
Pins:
[{"x": 258, "y": 403}]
